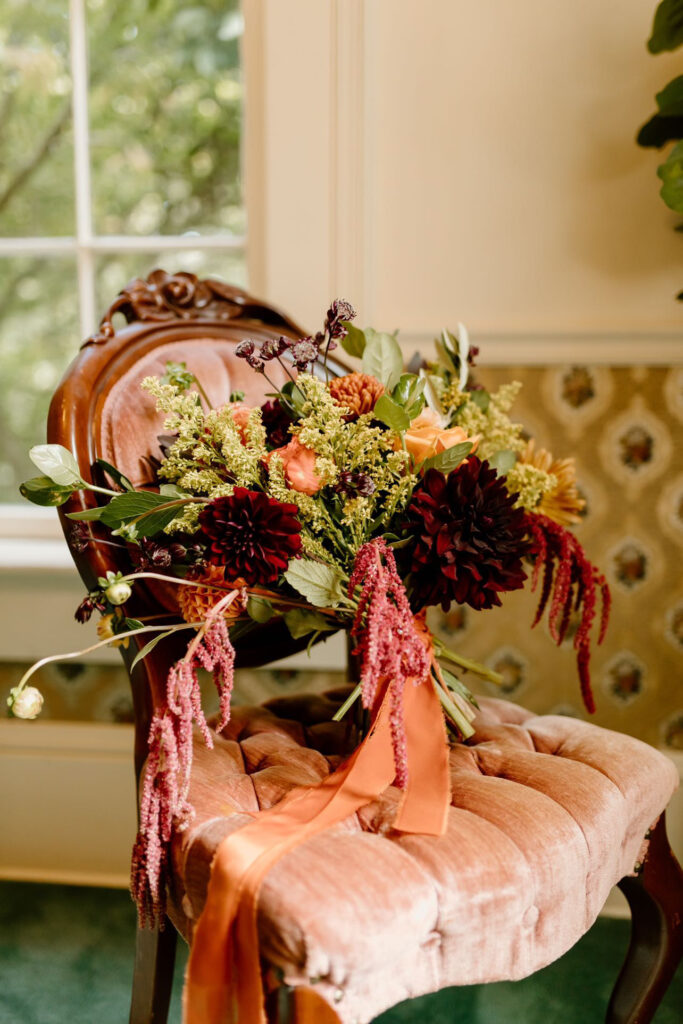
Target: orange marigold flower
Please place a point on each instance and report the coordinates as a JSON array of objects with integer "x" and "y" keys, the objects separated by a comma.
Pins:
[
  {"x": 196, "y": 602},
  {"x": 358, "y": 392},
  {"x": 563, "y": 504}
]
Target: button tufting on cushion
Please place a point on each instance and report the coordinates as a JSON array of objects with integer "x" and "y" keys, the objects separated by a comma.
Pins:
[{"x": 547, "y": 814}]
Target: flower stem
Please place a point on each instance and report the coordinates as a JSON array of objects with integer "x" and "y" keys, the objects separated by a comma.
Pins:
[
  {"x": 102, "y": 643},
  {"x": 469, "y": 665},
  {"x": 350, "y": 700},
  {"x": 453, "y": 712}
]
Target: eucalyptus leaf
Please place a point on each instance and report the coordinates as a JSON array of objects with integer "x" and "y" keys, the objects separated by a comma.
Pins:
[
  {"x": 355, "y": 341},
  {"x": 670, "y": 99},
  {"x": 116, "y": 474},
  {"x": 502, "y": 461},
  {"x": 259, "y": 609},
  {"x": 387, "y": 411},
  {"x": 57, "y": 462},
  {"x": 41, "y": 490},
  {"x": 320, "y": 584},
  {"x": 383, "y": 359},
  {"x": 301, "y": 621},
  {"x": 449, "y": 460}
]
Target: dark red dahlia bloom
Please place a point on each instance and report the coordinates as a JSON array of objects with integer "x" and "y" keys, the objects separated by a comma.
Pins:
[
  {"x": 252, "y": 535},
  {"x": 469, "y": 538}
]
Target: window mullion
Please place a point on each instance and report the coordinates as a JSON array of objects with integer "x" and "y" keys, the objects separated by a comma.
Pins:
[{"x": 79, "y": 77}]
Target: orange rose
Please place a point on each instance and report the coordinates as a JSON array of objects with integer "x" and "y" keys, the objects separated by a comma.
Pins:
[
  {"x": 240, "y": 417},
  {"x": 298, "y": 462},
  {"x": 426, "y": 437}
]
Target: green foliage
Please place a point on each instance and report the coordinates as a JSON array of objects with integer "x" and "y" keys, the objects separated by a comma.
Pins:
[
  {"x": 671, "y": 173},
  {"x": 448, "y": 460},
  {"x": 382, "y": 358},
  {"x": 390, "y": 412},
  {"x": 354, "y": 342},
  {"x": 302, "y": 621},
  {"x": 58, "y": 463},
  {"x": 41, "y": 490},
  {"x": 667, "y": 28},
  {"x": 320, "y": 584}
]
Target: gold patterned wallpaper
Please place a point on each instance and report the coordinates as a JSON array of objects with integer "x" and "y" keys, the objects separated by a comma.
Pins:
[{"x": 625, "y": 427}]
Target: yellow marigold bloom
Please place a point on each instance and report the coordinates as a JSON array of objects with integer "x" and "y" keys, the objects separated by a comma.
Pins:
[
  {"x": 196, "y": 602},
  {"x": 105, "y": 630},
  {"x": 562, "y": 503}
]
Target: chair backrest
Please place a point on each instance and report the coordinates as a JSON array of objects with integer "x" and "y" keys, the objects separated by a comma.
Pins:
[{"x": 99, "y": 411}]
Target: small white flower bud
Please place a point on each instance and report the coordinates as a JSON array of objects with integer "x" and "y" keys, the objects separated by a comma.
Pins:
[
  {"x": 27, "y": 703},
  {"x": 118, "y": 593}
]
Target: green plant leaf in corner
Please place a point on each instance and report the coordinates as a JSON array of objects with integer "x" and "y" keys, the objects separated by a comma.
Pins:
[
  {"x": 503, "y": 461},
  {"x": 320, "y": 584},
  {"x": 667, "y": 28},
  {"x": 259, "y": 609},
  {"x": 671, "y": 173}
]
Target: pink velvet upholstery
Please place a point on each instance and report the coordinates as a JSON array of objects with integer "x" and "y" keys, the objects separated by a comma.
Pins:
[{"x": 548, "y": 813}]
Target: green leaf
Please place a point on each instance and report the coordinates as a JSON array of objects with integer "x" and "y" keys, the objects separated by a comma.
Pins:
[
  {"x": 149, "y": 647},
  {"x": 671, "y": 173},
  {"x": 131, "y": 505},
  {"x": 300, "y": 622},
  {"x": 42, "y": 491},
  {"x": 116, "y": 474},
  {"x": 355, "y": 341},
  {"x": 259, "y": 609},
  {"x": 294, "y": 395},
  {"x": 320, "y": 584},
  {"x": 667, "y": 28},
  {"x": 172, "y": 491},
  {"x": 383, "y": 359},
  {"x": 503, "y": 461},
  {"x": 387, "y": 411},
  {"x": 409, "y": 390},
  {"x": 89, "y": 515},
  {"x": 480, "y": 398},
  {"x": 57, "y": 462},
  {"x": 178, "y": 375},
  {"x": 449, "y": 460},
  {"x": 659, "y": 130}
]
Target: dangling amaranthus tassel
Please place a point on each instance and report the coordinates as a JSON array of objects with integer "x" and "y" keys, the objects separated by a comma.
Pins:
[
  {"x": 571, "y": 583},
  {"x": 164, "y": 805},
  {"x": 387, "y": 642}
]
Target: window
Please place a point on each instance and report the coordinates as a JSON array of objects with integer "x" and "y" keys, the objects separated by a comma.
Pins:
[{"x": 120, "y": 151}]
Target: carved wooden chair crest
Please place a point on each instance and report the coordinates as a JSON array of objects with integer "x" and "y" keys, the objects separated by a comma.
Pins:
[{"x": 548, "y": 813}]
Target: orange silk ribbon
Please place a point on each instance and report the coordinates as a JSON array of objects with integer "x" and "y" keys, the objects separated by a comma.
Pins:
[{"x": 224, "y": 984}]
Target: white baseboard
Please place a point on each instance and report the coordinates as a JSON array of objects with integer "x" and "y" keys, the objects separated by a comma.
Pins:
[{"x": 67, "y": 805}]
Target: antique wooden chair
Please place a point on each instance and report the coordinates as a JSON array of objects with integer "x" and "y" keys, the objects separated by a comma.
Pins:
[{"x": 548, "y": 812}]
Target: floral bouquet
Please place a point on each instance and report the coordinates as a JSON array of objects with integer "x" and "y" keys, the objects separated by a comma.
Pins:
[{"x": 353, "y": 502}]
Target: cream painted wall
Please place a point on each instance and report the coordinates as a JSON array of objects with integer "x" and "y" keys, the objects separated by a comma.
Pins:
[{"x": 471, "y": 161}]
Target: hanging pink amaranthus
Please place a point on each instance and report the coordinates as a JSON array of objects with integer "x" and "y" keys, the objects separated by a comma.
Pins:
[
  {"x": 388, "y": 644},
  {"x": 571, "y": 583},
  {"x": 164, "y": 805}
]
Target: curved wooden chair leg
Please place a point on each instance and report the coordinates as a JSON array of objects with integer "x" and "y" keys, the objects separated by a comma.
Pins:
[
  {"x": 655, "y": 897},
  {"x": 153, "y": 974}
]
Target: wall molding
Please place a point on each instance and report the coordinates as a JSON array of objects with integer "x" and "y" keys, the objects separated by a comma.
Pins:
[{"x": 653, "y": 348}]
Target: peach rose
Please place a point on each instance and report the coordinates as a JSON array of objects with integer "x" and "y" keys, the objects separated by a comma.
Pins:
[
  {"x": 298, "y": 462},
  {"x": 426, "y": 437},
  {"x": 240, "y": 416}
]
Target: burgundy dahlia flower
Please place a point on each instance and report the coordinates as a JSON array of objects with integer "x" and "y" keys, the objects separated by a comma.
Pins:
[
  {"x": 469, "y": 538},
  {"x": 252, "y": 535}
]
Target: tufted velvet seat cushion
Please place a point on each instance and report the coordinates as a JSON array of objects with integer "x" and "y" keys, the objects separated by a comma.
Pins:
[{"x": 548, "y": 813}]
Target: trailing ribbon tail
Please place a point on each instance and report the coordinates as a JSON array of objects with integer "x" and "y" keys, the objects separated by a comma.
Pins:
[{"x": 223, "y": 983}]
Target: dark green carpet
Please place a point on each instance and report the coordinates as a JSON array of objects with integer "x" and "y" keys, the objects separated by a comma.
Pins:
[{"x": 66, "y": 956}]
